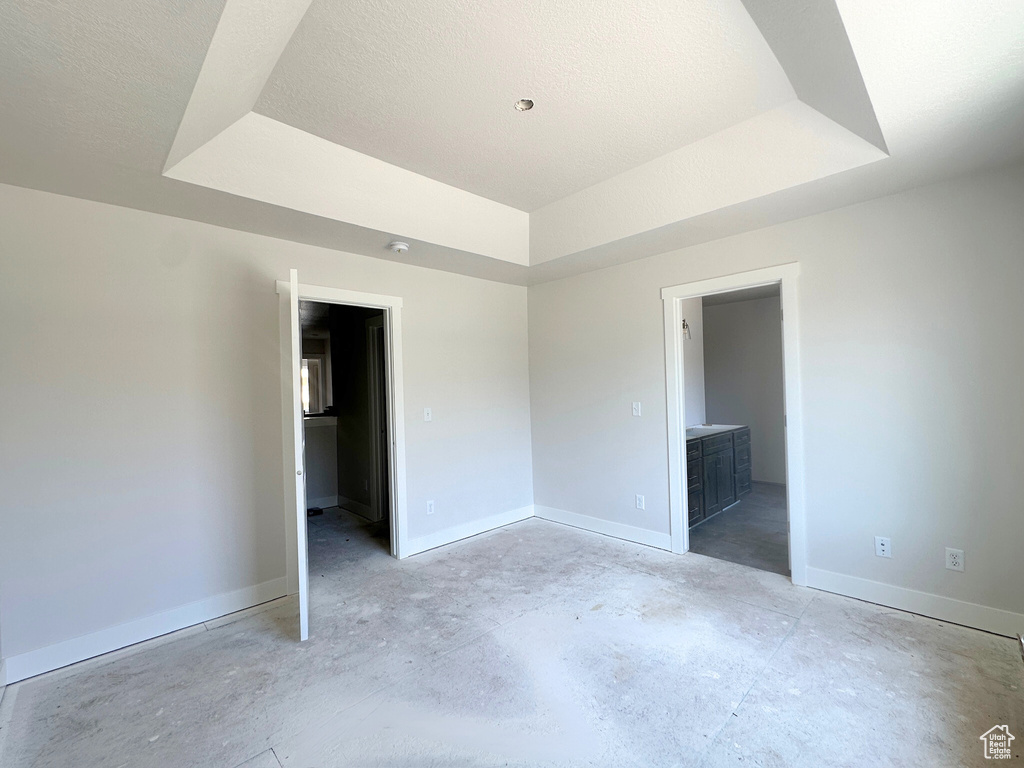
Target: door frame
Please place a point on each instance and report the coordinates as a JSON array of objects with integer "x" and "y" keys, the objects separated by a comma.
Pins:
[
  {"x": 395, "y": 378},
  {"x": 786, "y": 277}
]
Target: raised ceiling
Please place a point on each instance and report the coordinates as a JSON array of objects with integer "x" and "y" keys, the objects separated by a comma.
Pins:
[
  {"x": 429, "y": 86},
  {"x": 700, "y": 73},
  {"x": 657, "y": 125}
]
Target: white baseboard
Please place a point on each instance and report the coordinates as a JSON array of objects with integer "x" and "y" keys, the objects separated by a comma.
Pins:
[
  {"x": 982, "y": 617},
  {"x": 78, "y": 649},
  {"x": 464, "y": 531},
  {"x": 323, "y": 502},
  {"x": 605, "y": 527}
]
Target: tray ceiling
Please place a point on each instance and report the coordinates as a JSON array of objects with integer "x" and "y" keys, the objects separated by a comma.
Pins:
[
  {"x": 430, "y": 86},
  {"x": 656, "y": 125}
]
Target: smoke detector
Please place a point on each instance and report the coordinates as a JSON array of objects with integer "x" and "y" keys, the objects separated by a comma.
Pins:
[{"x": 397, "y": 246}]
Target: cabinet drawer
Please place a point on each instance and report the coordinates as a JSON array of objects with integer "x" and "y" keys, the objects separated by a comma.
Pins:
[
  {"x": 693, "y": 504},
  {"x": 693, "y": 474},
  {"x": 741, "y": 437},
  {"x": 743, "y": 484},
  {"x": 692, "y": 449},
  {"x": 742, "y": 456},
  {"x": 716, "y": 443}
]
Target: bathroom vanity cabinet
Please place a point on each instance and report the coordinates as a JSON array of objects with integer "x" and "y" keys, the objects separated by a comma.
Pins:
[{"x": 717, "y": 469}]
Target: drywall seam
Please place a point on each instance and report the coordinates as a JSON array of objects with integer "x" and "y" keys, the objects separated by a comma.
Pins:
[
  {"x": 114, "y": 638},
  {"x": 605, "y": 527},
  {"x": 935, "y": 606}
]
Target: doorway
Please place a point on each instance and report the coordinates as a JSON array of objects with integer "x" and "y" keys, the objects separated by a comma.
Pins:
[
  {"x": 736, "y": 465},
  {"x": 714, "y": 454},
  {"x": 344, "y": 465}
]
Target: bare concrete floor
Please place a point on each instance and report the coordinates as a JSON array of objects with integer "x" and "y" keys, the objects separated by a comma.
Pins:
[
  {"x": 753, "y": 532},
  {"x": 534, "y": 645}
]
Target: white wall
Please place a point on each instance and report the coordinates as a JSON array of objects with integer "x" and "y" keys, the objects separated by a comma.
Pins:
[
  {"x": 140, "y": 405},
  {"x": 912, "y": 364},
  {"x": 693, "y": 361},
  {"x": 743, "y": 378}
]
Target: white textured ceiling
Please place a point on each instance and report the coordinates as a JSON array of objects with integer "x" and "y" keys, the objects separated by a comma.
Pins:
[
  {"x": 102, "y": 79},
  {"x": 429, "y": 85}
]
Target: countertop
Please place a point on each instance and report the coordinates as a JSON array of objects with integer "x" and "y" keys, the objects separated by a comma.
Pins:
[
  {"x": 320, "y": 421},
  {"x": 706, "y": 430}
]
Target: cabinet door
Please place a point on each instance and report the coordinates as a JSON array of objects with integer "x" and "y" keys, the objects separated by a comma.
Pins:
[
  {"x": 726, "y": 480},
  {"x": 711, "y": 486}
]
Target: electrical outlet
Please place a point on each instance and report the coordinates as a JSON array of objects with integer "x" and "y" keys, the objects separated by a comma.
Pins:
[
  {"x": 954, "y": 559},
  {"x": 430, "y": 507},
  {"x": 428, "y": 415},
  {"x": 639, "y": 501},
  {"x": 636, "y": 409},
  {"x": 883, "y": 546}
]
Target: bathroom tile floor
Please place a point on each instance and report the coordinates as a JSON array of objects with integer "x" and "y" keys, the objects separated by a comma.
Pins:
[{"x": 753, "y": 532}]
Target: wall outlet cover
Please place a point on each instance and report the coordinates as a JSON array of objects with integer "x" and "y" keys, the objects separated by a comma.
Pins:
[
  {"x": 639, "y": 501},
  {"x": 883, "y": 546},
  {"x": 428, "y": 414},
  {"x": 636, "y": 409},
  {"x": 430, "y": 507},
  {"x": 955, "y": 559}
]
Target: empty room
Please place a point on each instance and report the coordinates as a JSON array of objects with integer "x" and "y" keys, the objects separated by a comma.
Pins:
[{"x": 511, "y": 384}]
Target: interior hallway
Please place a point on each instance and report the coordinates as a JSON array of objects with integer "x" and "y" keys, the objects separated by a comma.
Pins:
[
  {"x": 754, "y": 531},
  {"x": 535, "y": 644}
]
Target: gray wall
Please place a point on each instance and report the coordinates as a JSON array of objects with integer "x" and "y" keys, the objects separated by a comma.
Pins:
[
  {"x": 911, "y": 364},
  {"x": 140, "y": 402},
  {"x": 743, "y": 378}
]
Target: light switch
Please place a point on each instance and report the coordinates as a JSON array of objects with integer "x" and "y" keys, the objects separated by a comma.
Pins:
[
  {"x": 428, "y": 415},
  {"x": 636, "y": 408}
]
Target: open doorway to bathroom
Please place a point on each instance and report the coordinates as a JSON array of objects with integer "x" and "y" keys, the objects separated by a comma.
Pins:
[
  {"x": 735, "y": 420},
  {"x": 735, "y": 428},
  {"x": 343, "y": 378}
]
